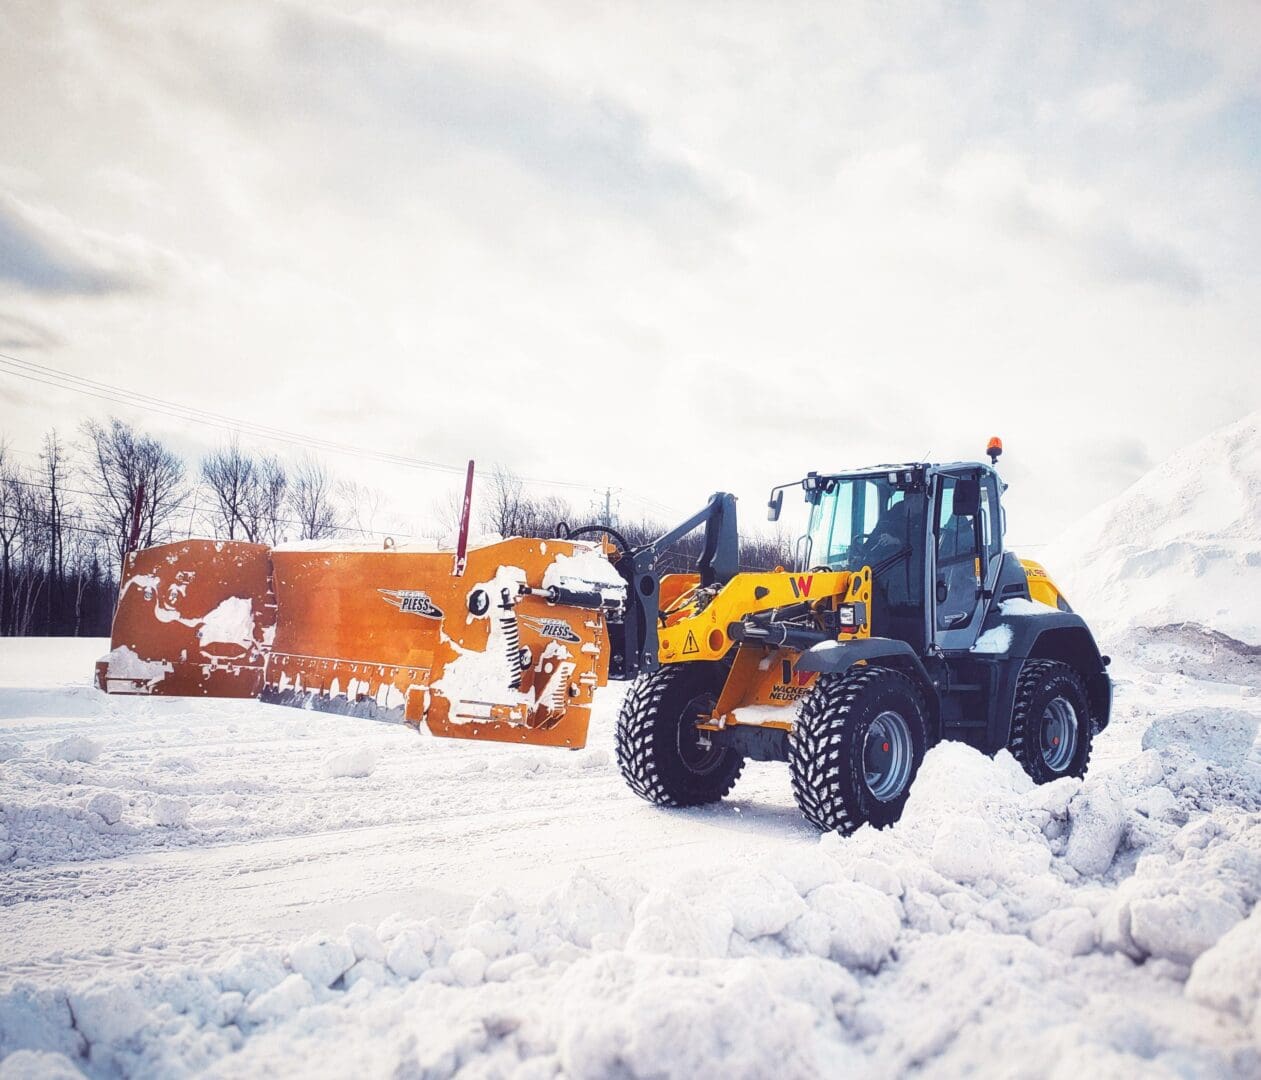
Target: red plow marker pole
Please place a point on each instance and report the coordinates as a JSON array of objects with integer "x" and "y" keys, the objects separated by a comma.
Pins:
[{"x": 461, "y": 550}]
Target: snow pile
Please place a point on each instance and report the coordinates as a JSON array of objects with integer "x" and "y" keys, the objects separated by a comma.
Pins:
[
  {"x": 356, "y": 762},
  {"x": 75, "y": 748},
  {"x": 974, "y": 931},
  {"x": 231, "y": 623},
  {"x": 587, "y": 569},
  {"x": 124, "y": 663},
  {"x": 169, "y": 812},
  {"x": 1181, "y": 545}
]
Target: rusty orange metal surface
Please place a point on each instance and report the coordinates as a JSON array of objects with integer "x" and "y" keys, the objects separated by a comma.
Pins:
[
  {"x": 365, "y": 630},
  {"x": 178, "y": 609}
]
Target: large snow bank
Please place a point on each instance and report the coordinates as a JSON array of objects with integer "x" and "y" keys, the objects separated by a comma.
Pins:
[
  {"x": 1181, "y": 545},
  {"x": 1109, "y": 924}
]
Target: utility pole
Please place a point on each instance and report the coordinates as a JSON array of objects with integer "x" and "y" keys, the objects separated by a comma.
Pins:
[{"x": 606, "y": 514}]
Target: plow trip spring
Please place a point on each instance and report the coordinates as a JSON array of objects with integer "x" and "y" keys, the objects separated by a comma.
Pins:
[{"x": 510, "y": 646}]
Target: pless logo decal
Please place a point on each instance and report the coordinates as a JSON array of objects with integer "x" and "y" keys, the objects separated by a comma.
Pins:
[
  {"x": 557, "y": 629},
  {"x": 412, "y": 601}
]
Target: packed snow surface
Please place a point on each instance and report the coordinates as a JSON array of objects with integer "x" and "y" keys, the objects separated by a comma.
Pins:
[{"x": 227, "y": 888}]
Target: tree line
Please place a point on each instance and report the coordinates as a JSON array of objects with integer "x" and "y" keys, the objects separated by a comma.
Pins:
[{"x": 70, "y": 514}]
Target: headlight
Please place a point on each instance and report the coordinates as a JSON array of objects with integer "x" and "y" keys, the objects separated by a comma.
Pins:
[{"x": 852, "y": 616}]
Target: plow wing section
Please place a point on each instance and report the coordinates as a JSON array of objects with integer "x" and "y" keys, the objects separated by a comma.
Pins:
[{"x": 511, "y": 651}]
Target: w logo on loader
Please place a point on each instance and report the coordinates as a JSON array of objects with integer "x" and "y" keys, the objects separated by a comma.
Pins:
[{"x": 801, "y": 584}]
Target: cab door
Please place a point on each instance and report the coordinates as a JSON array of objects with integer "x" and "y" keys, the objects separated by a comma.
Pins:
[{"x": 964, "y": 536}]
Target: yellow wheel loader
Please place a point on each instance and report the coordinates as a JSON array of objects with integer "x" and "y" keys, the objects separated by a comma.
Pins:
[{"x": 905, "y": 622}]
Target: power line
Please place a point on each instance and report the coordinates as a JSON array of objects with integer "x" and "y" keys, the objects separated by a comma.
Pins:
[{"x": 54, "y": 377}]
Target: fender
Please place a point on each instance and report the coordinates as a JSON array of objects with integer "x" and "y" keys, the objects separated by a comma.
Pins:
[
  {"x": 831, "y": 657},
  {"x": 1045, "y": 635}
]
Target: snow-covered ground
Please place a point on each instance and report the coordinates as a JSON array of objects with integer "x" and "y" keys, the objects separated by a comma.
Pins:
[
  {"x": 239, "y": 888},
  {"x": 231, "y": 888}
]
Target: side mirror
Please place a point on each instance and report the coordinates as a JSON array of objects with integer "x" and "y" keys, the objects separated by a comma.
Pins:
[
  {"x": 967, "y": 497},
  {"x": 775, "y": 505}
]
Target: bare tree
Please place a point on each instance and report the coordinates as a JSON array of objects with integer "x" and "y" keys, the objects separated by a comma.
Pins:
[
  {"x": 503, "y": 501},
  {"x": 363, "y": 505},
  {"x": 11, "y": 524},
  {"x": 265, "y": 508},
  {"x": 122, "y": 465},
  {"x": 232, "y": 477},
  {"x": 447, "y": 511},
  {"x": 53, "y": 463},
  {"x": 512, "y": 512},
  {"x": 313, "y": 500}
]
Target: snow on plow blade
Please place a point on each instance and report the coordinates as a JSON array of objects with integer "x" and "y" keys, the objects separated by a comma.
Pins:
[{"x": 511, "y": 651}]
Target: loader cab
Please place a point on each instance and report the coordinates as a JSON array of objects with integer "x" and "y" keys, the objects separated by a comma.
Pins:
[
  {"x": 967, "y": 550},
  {"x": 877, "y": 518},
  {"x": 932, "y": 536}
]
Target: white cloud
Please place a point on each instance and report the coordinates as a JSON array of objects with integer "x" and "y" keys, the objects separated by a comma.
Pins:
[{"x": 665, "y": 249}]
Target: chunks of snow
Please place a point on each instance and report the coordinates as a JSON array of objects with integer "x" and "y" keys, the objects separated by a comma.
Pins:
[
  {"x": 38, "y": 1065},
  {"x": 282, "y": 1000},
  {"x": 108, "y": 806},
  {"x": 75, "y": 748},
  {"x": 1018, "y": 605},
  {"x": 365, "y": 943},
  {"x": 1070, "y": 931},
  {"x": 468, "y": 966},
  {"x": 1181, "y": 926},
  {"x": 1223, "y": 736},
  {"x": 862, "y": 923},
  {"x": 37, "y": 1018},
  {"x": 1228, "y": 975},
  {"x": 408, "y": 954},
  {"x": 589, "y": 907},
  {"x": 231, "y": 623},
  {"x": 358, "y": 762},
  {"x": 169, "y": 811},
  {"x": 995, "y": 640},
  {"x": 321, "y": 959},
  {"x": 1097, "y": 825},
  {"x": 585, "y": 570},
  {"x": 124, "y": 663},
  {"x": 962, "y": 850},
  {"x": 109, "y": 1011},
  {"x": 670, "y": 923}
]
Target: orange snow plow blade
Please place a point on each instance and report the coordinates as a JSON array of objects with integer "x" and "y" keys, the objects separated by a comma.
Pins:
[{"x": 513, "y": 650}]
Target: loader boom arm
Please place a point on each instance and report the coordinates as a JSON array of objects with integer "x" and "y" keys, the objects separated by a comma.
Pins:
[{"x": 718, "y": 563}]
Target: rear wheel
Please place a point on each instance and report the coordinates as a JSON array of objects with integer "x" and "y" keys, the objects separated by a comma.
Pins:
[
  {"x": 859, "y": 740},
  {"x": 1050, "y": 724},
  {"x": 664, "y": 758}
]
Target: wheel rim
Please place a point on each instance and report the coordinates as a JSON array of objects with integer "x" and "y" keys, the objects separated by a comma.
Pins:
[
  {"x": 887, "y": 756},
  {"x": 1059, "y": 734},
  {"x": 694, "y": 753}
]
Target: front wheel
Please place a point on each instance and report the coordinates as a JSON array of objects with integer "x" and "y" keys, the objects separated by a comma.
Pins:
[
  {"x": 663, "y": 756},
  {"x": 859, "y": 740},
  {"x": 1050, "y": 723}
]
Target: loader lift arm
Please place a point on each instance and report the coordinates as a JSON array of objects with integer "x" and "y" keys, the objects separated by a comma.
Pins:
[{"x": 718, "y": 563}]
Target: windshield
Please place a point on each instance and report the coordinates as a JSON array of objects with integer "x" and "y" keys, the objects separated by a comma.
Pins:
[{"x": 859, "y": 521}]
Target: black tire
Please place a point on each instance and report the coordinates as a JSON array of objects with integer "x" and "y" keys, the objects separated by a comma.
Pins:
[
  {"x": 826, "y": 756},
  {"x": 1038, "y": 719},
  {"x": 659, "y": 758}
]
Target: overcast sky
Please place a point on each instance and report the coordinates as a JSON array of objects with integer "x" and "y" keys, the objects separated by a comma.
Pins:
[{"x": 671, "y": 248}]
